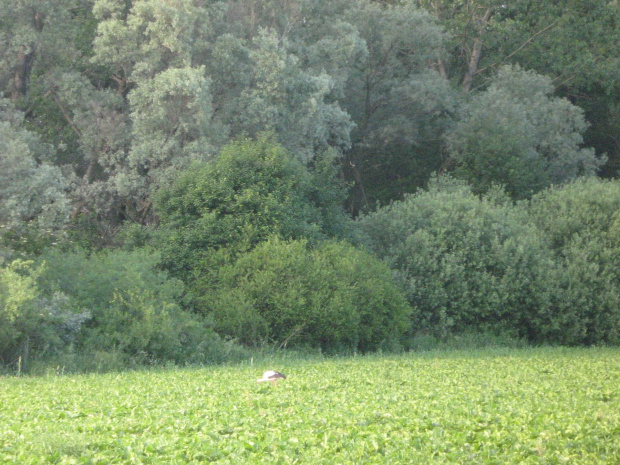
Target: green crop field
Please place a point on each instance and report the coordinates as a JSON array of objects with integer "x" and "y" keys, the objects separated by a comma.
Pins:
[{"x": 489, "y": 406}]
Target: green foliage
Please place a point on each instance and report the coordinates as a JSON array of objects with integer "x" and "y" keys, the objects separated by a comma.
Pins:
[
  {"x": 516, "y": 135},
  {"x": 334, "y": 297},
  {"x": 135, "y": 308},
  {"x": 399, "y": 102},
  {"x": 127, "y": 93},
  {"x": 572, "y": 42},
  {"x": 253, "y": 190},
  {"x": 291, "y": 103},
  {"x": 170, "y": 115},
  {"x": 579, "y": 51},
  {"x": 33, "y": 324},
  {"x": 35, "y": 207},
  {"x": 36, "y": 35},
  {"x": 92, "y": 280},
  {"x": 467, "y": 263},
  {"x": 112, "y": 100},
  {"x": 92, "y": 149},
  {"x": 546, "y": 272},
  {"x": 19, "y": 316},
  {"x": 477, "y": 407},
  {"x": 149, "y": 37},
  {"x": 466, "y": 340},
  {"x": 582, "y": 221}
]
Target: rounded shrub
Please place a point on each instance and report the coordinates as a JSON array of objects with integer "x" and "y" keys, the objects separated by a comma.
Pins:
[
  {"x": 582, "y": 222},
  {"x": 251, "y": 191},
  {"x": 334, "y": 297},
  {"x": 466, "y": 262}
]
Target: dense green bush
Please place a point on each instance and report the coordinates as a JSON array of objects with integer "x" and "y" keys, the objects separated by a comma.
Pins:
[
  {"x": 582, "y": 222},
  {"x": 334, "y": 297},
  {"x": 136, "y": 310},
  {"x": 19, "y": 318},
  {"x": 33, "y": 324},
  {"x": 253, "y": 190},
  {"x": 466, "y": 262}
]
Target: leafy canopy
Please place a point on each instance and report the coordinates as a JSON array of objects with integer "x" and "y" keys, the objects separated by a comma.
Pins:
[
  {"x": 253, "y": 190},
  {"x": 517, "y": 135}
]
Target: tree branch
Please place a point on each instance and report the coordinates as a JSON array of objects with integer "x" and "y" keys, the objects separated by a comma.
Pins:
[
  {"x": 65, "y": 113},
  {"x": 521, "y": 47}
]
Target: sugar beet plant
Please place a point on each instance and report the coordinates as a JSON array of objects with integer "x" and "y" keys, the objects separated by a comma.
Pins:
[{"x": 543, "y": 406}]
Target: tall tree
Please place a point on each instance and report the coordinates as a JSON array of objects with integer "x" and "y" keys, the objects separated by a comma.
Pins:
[
  {"x": 379, "y": 63},
  {"x": 19, "y": 314},
  {"x": 170, "y": 115},
  {"x": 574, "y": 42},
  {"x": 162, "y": 57},
  {"x": 35, "y": 34},
  {"x": 397, "y": 97},
  {"x": 284, "y": 99},
  {"x": 517, "y": 135},
  {"x": 150, "y": 36},
  {"x": 95, "y": 149},
  {"x": 147, "y": 117},
  {"x": 33, "y": 201}
]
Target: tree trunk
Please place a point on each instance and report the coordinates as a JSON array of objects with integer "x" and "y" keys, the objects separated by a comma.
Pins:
[
  {"x": 21, "y": 74},
  {"x": 25, "y": 60},
  {"x": 442, "y": 69},
  {"x": 476, "y": 52}
]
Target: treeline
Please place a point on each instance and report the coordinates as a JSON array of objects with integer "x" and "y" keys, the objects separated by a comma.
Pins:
[{"x": 185, "y": 181}]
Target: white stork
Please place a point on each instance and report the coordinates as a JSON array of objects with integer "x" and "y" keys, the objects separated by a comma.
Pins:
[{"x": 272, "y": 376}]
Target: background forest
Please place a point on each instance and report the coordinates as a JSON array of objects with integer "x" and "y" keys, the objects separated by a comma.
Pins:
[{"x": 188, "y": 181}]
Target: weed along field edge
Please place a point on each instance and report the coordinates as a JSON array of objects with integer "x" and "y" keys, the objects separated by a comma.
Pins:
[{"x": 549, "y": 405}]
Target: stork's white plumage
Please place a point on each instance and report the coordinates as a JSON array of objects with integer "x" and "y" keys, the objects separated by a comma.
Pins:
[{"x": 271, "y": 376}]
